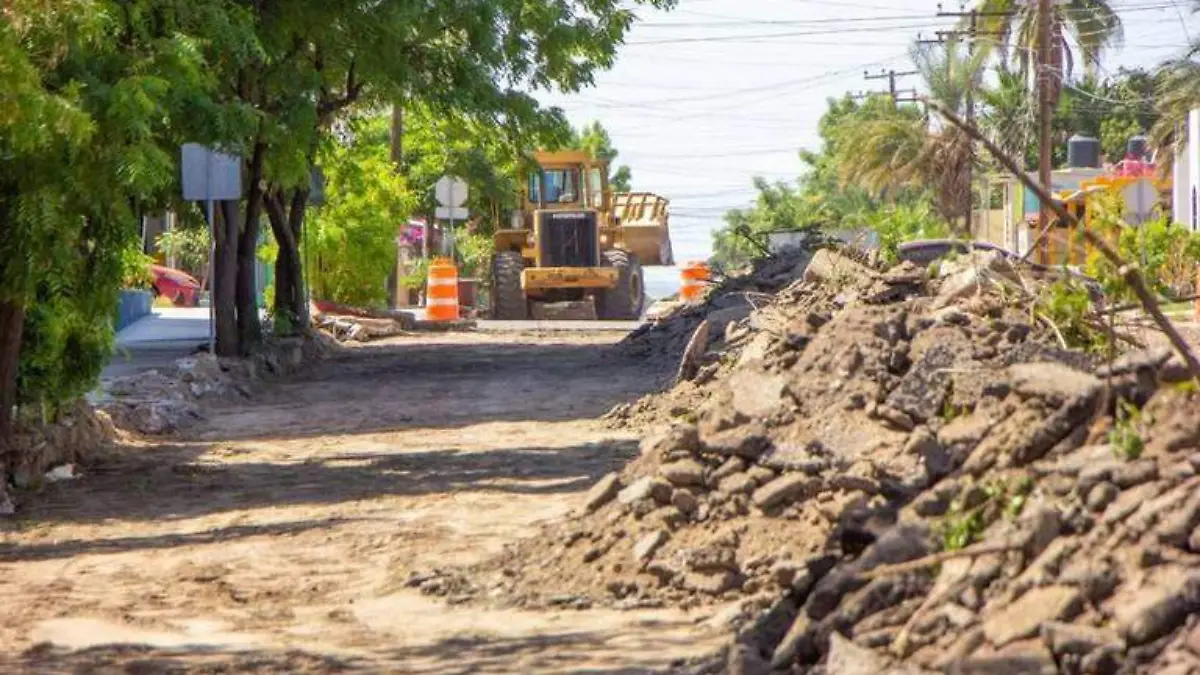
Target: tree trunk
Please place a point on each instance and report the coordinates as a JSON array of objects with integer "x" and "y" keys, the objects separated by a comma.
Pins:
[
  {"x": 249, "y": 326},
  {"x": 12, "y": 322},
  {"x": 224, "y": 291},
  {"x": 287, "y": 222}
]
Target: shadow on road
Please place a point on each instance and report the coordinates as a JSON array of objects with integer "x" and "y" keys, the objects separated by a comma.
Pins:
[
  {"x": 576, "y": 652},
  {"x": 175, "y": 486}
]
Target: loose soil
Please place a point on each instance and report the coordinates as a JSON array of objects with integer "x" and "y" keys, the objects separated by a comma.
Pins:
[{"x": 278, "y": 535}]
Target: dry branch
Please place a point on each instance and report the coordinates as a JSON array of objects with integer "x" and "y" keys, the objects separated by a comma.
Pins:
[{"x": 1130, "y": 273}]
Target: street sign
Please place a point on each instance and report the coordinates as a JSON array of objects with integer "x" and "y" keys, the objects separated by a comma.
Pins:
[
  {"x": 210, "y": 175},
  {"x": 451, "y": 192},
  {"x": 447, "y": 213}
]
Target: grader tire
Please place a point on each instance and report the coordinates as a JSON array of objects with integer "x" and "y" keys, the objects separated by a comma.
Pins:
[
  {"x": 625, "y": 301},
  {"x": 508, "y": 299}
]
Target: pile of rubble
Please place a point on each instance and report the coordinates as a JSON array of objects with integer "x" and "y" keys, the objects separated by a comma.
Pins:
[
  {"x": 162, "y": 401},
  {"x": 900, "y": 472}
]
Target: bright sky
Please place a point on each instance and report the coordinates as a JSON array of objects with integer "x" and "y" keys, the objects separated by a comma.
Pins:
[{"x": 704, "y": 98}]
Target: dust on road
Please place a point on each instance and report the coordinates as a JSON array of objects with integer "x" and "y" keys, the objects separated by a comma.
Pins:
[{"x": 277, "y": 537}]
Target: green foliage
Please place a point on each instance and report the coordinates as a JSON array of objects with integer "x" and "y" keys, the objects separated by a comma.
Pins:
[
  {"x": 135, "y": 269},
  {"x": 475, "y": 255},
  {"x": 961, "y": 529},
  {"x": 418, "y": 275},
  {"x": 1168, "y": 254},
  {"x": 594, "y": 139},
  {"x": 904, "y": 222},
  {"x": 351, "y": 240},
  {"x": 1126, "y": 436},
  {"x": 1067, "y": 306},
  {"x": 188, "y": 246}
]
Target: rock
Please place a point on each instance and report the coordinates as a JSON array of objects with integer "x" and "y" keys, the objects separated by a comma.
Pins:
[
  {"x": 1159, "y": 609},
  {"x": 1176, "y": 529},
  {"x": 640, "y": 489},
  {"x": 711, "y": 582},
  {"x": 1023, "y": 618},
  {"x": 1052, "y": 382},
  {"x": 731, "y": 466},
  {"x": 896, "y": 419},
  {"x": 684, "y": 473},
  {"x": 1029, "y": 657},
  {"x": 745, "y": 660},
  {"x": 958, "y": 616},
  {"x": 847, "y": 658},
  {"x": 797, "y": 643},
  {"x": 602, "y": 492},
  {"x": 1101, "y": 495},
  {"x": 761, "y": 475},
  {"x": 678, "y": 438},
  {"x": 740, "y": 483},
  {"x": 1135, "y": 473},
  {"x": 645, "y": 547},
  {"x": 784, "y": 572},
  {"x": 685, "y": 501},
  {"x": 756, "y": 394},
  {"x": 1079, "y": 640},
  {"x": 785, "y": 490},
  {"x": 922, "y": 392},
  {"x": 749, "y": 441}
]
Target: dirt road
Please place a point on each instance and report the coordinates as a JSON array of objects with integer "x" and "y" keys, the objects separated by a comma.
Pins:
[{"x": 277, "y": 537}]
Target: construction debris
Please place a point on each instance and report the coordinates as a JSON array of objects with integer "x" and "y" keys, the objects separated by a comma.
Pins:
[
  {"x": 897, "y": 471},
  {"x": 163, "y": 401}
]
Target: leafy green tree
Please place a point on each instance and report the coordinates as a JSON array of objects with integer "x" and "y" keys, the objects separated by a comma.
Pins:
[
  {"x": 1091, "y": 25},
  {"x": 92, "y": 93},
  {"x": 350, "y": 244},
  {"x": 489, "y": 157},
  {"x": 316, "y": 60},
  {"x": 594, "y": 139},
  {"x": 889, "y": 148}
]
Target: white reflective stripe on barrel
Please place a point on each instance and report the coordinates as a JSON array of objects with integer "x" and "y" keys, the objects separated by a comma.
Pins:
[{"x": 433, "y": 302}]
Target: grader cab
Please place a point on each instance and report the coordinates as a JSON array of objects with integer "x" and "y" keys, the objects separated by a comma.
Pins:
[{"x": 575, "y": 243}]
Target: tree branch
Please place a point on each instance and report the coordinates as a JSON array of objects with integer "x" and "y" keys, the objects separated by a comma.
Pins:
[{"x": 1130, "y": 273}]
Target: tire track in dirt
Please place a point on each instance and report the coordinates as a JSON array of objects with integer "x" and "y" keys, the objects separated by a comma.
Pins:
[{"x": 276, "y": 537}]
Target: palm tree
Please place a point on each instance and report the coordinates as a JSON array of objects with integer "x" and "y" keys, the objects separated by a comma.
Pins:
[
  {"x": 1178, "y": 93},
  {"x": 1092, "y": 25},
  {"x": 1009, "y": 115},
  {"x": 888, "y": 148}
]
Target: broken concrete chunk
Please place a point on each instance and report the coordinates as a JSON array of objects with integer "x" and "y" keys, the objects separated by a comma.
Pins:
[
  {"x": 1024, "y": 617},
  {"x": 645, "y": 547},
  {"x": 1159, "y": 609},
  {"x": 640, "y": 489},
  {"x": 785, "y": 490},
  {"x": 684, "y": 473},
  {"x": 756, "y": 394},
  {"x": 602, "y": 492},
  {"x": 1078, "y": 640}
]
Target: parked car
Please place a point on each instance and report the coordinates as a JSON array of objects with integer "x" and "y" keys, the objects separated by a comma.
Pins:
[{"x": 179, "y": 287}]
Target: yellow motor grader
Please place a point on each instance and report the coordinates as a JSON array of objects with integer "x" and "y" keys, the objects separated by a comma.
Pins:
[{"x": 574, "y": 243}]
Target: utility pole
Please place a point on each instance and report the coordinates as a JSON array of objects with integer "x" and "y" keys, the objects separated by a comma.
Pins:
[
  {"x": 972, "y": 33},
  {"x": 1045, "y": 116},
  {"x": 890, "y": 76}
]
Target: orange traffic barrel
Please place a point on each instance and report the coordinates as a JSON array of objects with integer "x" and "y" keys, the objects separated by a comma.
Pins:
[
  {"x": 695, "y": 277},
  {"x": 441, "y": 295}
]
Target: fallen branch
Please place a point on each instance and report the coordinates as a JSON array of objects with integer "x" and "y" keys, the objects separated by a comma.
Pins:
[
  {"x": 937, "y": 559},
  {"x": 1130, "y": 273}
]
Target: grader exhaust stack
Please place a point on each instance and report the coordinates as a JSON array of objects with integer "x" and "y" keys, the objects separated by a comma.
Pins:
[{"x": 575, "y": 249}]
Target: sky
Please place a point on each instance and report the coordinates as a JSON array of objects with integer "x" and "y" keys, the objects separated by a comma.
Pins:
[{"x": 715, "y": 92}]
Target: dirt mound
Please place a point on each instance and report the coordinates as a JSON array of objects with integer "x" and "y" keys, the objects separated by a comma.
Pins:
[{"x": 899, "y": 468}]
